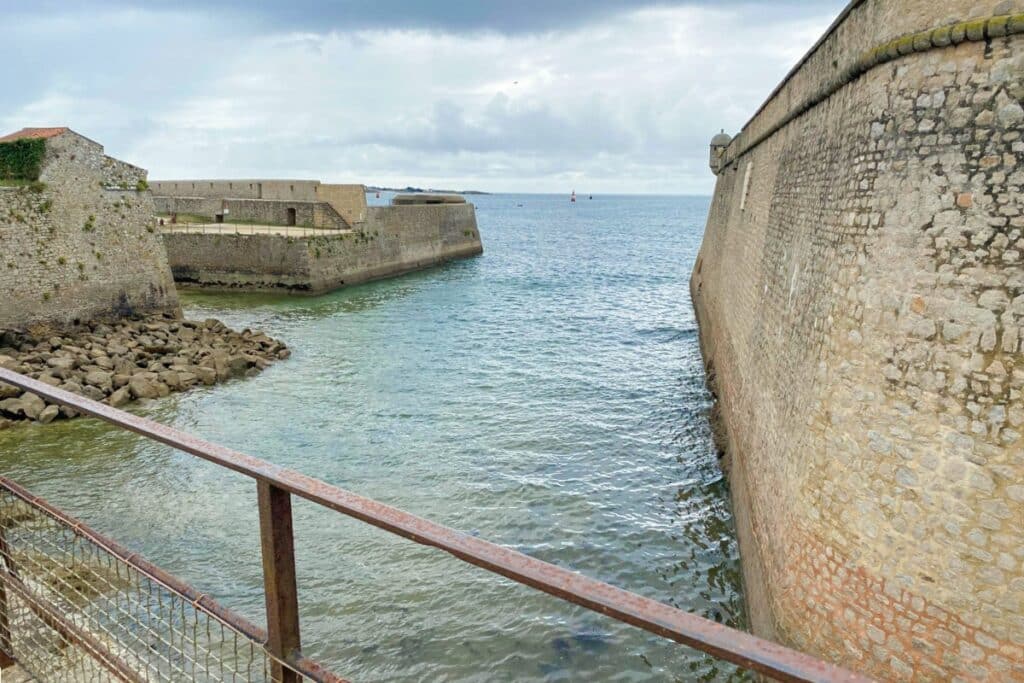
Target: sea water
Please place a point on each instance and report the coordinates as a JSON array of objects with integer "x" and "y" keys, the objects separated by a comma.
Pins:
[{"x": 548, "y": 396}]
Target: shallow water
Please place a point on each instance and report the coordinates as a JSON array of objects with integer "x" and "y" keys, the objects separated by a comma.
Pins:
[{"x": 548, "y": 396}]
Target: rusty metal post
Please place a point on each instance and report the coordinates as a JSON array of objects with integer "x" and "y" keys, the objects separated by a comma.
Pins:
[
  {"x": 6, "y": 642},
  {"x": 279, "y": 586}
]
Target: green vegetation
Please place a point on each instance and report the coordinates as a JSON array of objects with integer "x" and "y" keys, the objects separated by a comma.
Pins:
[
  {"x": 90, "y": 224},
  {"x": 141, "y": 186},
  {"x": 21, "y": 160}
]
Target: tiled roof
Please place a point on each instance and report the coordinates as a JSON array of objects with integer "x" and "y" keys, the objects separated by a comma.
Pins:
[{"x": 34, "y": 133}]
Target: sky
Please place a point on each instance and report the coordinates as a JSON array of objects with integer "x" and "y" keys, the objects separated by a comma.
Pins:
[{"x": 597, "y": 96}]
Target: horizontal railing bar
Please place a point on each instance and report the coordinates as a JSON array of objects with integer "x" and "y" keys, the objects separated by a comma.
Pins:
[
  {"x": 202, "y": 601},
  {"x": 725, "y": 643}
]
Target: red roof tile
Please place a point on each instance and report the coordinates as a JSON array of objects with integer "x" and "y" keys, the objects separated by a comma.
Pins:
[{"x": 34, "y": 133}]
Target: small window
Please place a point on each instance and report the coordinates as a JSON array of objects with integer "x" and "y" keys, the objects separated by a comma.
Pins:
[
  {"x": 231, "y": 186},
  {"x": 292, "y": 188}
]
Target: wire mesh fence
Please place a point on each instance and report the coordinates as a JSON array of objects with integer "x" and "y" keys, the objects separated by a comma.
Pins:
[{"x": 73, "y": 609}]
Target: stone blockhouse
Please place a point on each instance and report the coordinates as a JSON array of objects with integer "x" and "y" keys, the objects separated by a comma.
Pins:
[
  {"x": 79, "y": 243},
  {"x": 860, "y": 293},
  {"x": 307, "y": 203}
]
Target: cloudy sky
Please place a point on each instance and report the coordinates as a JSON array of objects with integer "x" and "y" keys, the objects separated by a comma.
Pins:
[{"x": 523, "y": 95}]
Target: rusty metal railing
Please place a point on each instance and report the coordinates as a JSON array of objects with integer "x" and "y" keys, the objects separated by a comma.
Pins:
[
  {"x": 276, "y": 485},
  {"x": 76, "y": 606}
]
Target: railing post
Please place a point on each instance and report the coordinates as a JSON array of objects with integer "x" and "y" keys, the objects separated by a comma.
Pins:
[
  {"x": 6, "y": 642},
  {"x": 279, "y": 585}
]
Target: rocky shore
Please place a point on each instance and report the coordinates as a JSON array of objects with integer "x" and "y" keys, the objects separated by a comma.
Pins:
[{"x": 118, "y": 362}]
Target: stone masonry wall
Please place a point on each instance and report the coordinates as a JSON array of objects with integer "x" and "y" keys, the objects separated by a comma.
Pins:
[
  {"x": 346, "y": 201},
  {"x": 75, "y": 250},
  {"x": 258, "y": 211},
  {"x": 285, "y": 190},
  {"x": 860, "y": 292},
  {"x": 392, "y": 241}
]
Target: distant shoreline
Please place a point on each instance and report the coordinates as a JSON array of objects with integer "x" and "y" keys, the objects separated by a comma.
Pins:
[{"x": 370, "y": 188}]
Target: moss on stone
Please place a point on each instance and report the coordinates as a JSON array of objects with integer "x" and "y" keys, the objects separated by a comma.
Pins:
[
  {"x": 940, "y": 37},
  {"x": 975, "y": 30},
  {"x": 1015, "y": 24},
  {"x": 905, "y": 45},
  {"x": 957, "y": 34},
  {"x": 997, "y": 27},
  {"x": 923, "y": 41},
  {"x": 892, "y": 50}
]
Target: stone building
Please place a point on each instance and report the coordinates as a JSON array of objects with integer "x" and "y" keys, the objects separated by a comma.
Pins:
[
  {"x": 307, "y": 203},
  {"x": 77, "y": 242}
]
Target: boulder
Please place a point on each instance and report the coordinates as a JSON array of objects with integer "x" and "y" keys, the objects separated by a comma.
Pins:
[
  {"x": 120, "y": 397},
  {"x": 32, "y": 405},
  {"x": 95, "y": 393},
  {"x": 124, "y": 366},
  {"x": 72, "y": 386},
  {"x": 238, "y": 364},
  {"x": 62, "y": 362},
  {"x": 99, "y": 378},
  {"x": 49, "y": 414},
  {"x": 12, "y": 406},
  {"x": 8, "y": 391},
  {"x": 207, "y": 376},
  {"x": 171, "y": 379},
  {"x": 141, "y": 387}
]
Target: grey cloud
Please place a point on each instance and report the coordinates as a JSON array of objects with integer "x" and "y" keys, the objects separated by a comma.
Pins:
[{"x": 517, "y": 16}]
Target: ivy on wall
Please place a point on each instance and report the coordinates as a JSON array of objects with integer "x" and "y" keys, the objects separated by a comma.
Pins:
[{"x": 21, "y": 159}]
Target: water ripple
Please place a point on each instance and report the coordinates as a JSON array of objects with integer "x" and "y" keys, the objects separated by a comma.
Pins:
[{"x": 548, "y": 396}]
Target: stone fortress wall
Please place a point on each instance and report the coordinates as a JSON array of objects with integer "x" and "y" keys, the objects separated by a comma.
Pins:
[
  {"x": 81, "y": 245},
  {"x": 391, "y": 240},
  {"x": 314, "y": 204},
  {"x": 860, "y": 293}
]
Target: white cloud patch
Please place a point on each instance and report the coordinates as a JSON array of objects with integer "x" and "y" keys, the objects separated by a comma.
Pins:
[{"x": 626, "y": 104}]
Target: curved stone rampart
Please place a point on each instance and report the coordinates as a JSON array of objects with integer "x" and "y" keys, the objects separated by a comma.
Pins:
[{"x": 860, "y": 292}]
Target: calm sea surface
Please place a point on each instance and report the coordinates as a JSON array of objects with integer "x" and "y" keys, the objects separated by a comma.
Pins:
[{"x": 548, "y": 396}]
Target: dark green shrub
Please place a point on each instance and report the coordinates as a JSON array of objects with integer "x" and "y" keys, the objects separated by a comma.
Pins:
[{"x": 21, "y": 159}]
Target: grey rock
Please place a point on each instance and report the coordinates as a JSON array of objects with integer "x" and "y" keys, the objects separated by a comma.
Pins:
[
  {"x": 98, "y": 378},
  {"x": 32, "y": 404},
  {"x": 141, "y": 387},
  {"x": 49, "y": 414},
  {"x": 207, "y": 376},
  {"x": 120, "y": 397},
  {"x": 12, "y": 406}
]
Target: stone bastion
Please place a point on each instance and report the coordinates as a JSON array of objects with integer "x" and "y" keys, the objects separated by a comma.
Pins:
[{"x": 860, "y": 293}]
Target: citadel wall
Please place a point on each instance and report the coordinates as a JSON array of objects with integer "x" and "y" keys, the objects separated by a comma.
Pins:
[
  {"x": 264, "y": 200},
  {"x": 860, "y": 293},
  {"x": 77, "y": 246},
  {"x": 391, "y": 241}
]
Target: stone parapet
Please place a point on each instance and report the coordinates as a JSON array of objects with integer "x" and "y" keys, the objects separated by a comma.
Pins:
[{"x": 392, "y": 240}]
